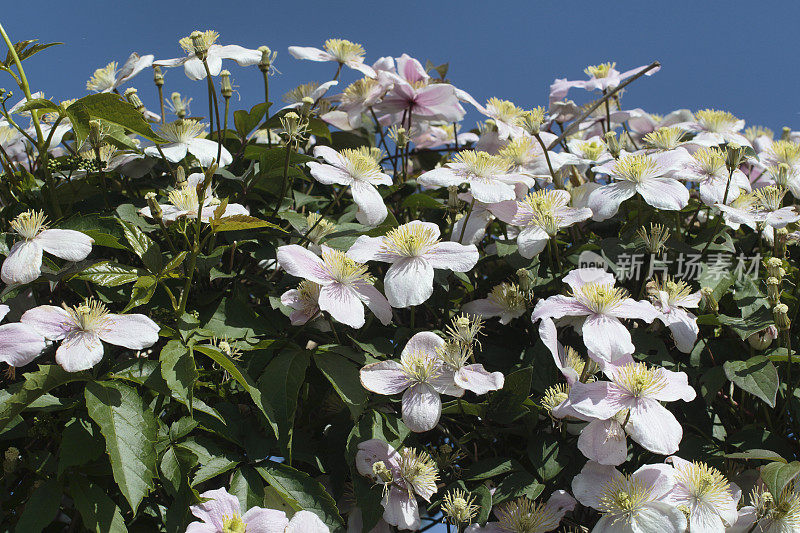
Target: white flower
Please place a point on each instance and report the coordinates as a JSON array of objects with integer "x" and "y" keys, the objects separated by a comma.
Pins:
[
  {"x": 187, "y": 135},
  {"x": 193, "y": 66},
  {"x": 110, "y": 77},
  {"x": 707, "y": 496},
  {"x": 184, "y": 202}
]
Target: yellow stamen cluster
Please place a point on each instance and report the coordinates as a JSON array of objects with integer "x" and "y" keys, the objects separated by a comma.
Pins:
[
  {"x": 624, "y": 496},
  {"x": 297, "y": 94},
  {"x": 343, "y": 269},
  {"x": 103, "y": 78},
  {"x": 344, "y": 50},
  {"x": 754, "y": 132},
  {"x": 785, "y": 152},
  {"x": 419, "y": 470},
  {"x": 459, "y": 507},
  {"x": 185, "y": 198},
  {"x": 182, "y": 130},
  {"x": 464, "y": 329},
  {"x": 233, "y": 524},
  {"x": 633, "y": 167},
  {"x": 357, "y": 92},
  {"x": 667, "y": 138},
  {"x": 705, "y": 483},
  {"x": 205, "y": 39},
  {"x": 543, "y": 204},
  {"x": 639, "y": 380},
  {"x": 322, "y": 227},
  {"x": 419, "y": 367},
  {"x": 578, "y": 363},
  {"x": 518, "y": 152},
  {"x": 600, "y": 71},
  {"x": 481, "y": 164},
  {"x": 600, "y": 297},
  {"x": 526, "y": 516},
  {"x": 505, "y": 110},
  {"x": 676, "y": 289},
  {"x": 770, "y": 197},
  {"x": 714, "y": 120},
  {"x": 106, "y": 152},
  {"x": 710, "y": 160},
  {"x": 532, "y": 120},
  {"x": 777, "y": 514},
  {"x": 591, "y": 150},
  {"x": 360, "y": 164},
  {"x": 7, "y": 133},
  {"x": 89, "y": 316},
  {"x": 655, "y": 238},
  {"x": 309, "y": 295},
  {"x": 508, "y": 296},
  {"x": 409, "y": 240},
  {"x": 29, "y": 224},
  {"x": 554, "y": 396}
]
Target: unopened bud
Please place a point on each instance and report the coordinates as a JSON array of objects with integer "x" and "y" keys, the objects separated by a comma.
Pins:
[
  {"x": 267, "y": 58},
  {"x": 225, "y": 82},
  {"x": 761, "y": 340},
  {"x": 526, "y": 279},
  {"x": 612, "y": 143},
  {"x": 786, "y": 133},
  {"x": 711, "y": 303},
  {"x": 158, "y": 76},
  {"x": 781, "y": 238},
  {"x": 452, "y": 198},
  {"x": 734, "y": 157},
  {"x": 775, "y": 267},
  {"x": 133, "y": 98},
  {"x": 155, "y": 209},
  {"x": 180, "y": 176},
  {"x": 781, "y": 315},
  {"x": 177, "y": 104},
  {"x": 773, "y": 290}
]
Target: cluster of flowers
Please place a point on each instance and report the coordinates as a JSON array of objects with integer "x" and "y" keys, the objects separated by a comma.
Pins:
[{"x": 514, "y": 170}]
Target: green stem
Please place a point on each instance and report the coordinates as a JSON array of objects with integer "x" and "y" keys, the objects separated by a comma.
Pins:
[
  {"x": 466, "y": 219},
  {"x": 557, "y": 182},
  {"x": 23, "y": 82},
  {"x": 285, "y": 184}
]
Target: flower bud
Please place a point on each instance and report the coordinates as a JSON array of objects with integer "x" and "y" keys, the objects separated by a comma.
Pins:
[
  {"x": 10, "y": 460},
  {"x": 612, "y": 143},
  {"x": 781, "y": 238},
  {"x": 761, "y": 340},
  {"x": 267, "y": 58},
  {"x": 452, "y": 198},
  {"x": 158, "y": 76},
  {"x": 532, "y": 120},
  {"x": 781, "y": 315},
  {"x": 775, "y": 268},
  {"x": 155, "y": 209},
  {"x": 734, "y": 157},
  {"x": 225, "y": 82},
  {"x": 200, "y": 46},
  {"x": 786, "y": 133},
  {"x": 180, "y": 176},
  {"x": 773, "y": 290},
  {"x": 133, "y": 98},
  {"x": 177, "y": 104},
  {"x": 711, "y": 303}
]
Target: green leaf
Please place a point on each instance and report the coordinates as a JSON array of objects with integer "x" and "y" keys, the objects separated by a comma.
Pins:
[
  {"x": 547, "y": 456},
  {"x": 516, "y": 485},
  {"x": 142, "y": 291},
  {"x": 280, "y": 384},
  {"x": 113, "y": 108},
  {"x": 302, "y": 492},
  {"x": 178, "y": 369},
  {"x": 240, "y": 222},
  {"x": 37, "y": 103},
  {"x": 105, "y": 231},
  {"x": 41, "y": 507},
  {"x": 143, "y": 246},
  {"x": 757, "y": 376},
  {"x": 245, "y": 122},
  {"x": 109, "y": 274},
  {"x": 757, "y": 454},
  {"x": 505, "y": 405},
  {"x": 80, "y": 444},
  {"x": 36, "y": 384},
  {"x": 130, "y": 433},
  {"x": 488, "y": 468},
  {"x": 99, "y": 512},
  {"x": 344, "y": 376},
  {"x": 175, "y": 262},
  {"x": 422, "y": 201},
  {"x": 777, "y": 475}
]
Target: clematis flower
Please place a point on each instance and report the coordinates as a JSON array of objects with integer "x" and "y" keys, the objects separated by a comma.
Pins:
[
  {"x": 567, "y": 360},
  {"x": 712, "y": 127},
  {"x": 304, "y": 300},
  {"x": 358, "y": 169},
  {"x": 184, "y": 202},
  {"x": 432, "y": 136},
  {"x": 315, "y": 91},
  {"x": 540, "y": 215},
  {"x": 487, "y": 175},
  {"x": 403, "y": 474},
  {"x": 346, "y": 286},
  {"x": 711, "y": 501},
  {"x": 762, "y": 206},
  {"x": 215, "y": 53},
  {"x": 110, "y": 77},
  {"x": 453, "y": 356},
  {"x": 82, "y": 328},
  {"x": 223, "y": 514},
  {"x": 19, "y": 343},
  {"x": 414, "y": 249},
  {"x": 506, "y": 115},
  {"x": 645, "y": 174},
  {"x": 630, "y": 504},
  {"x": 594, "y": 297},
  {"x": 671, "y": 298},
  {"x": 639, "y": 389},
  {"x": 526, "y": 516},
  {"x": 768, "y": 513},
  {"x": 602, "y": 77},
  {"x": 589, "y": 152},
  {"x": 187, "y": 135},
  {"x": 526, "y": 157},
  {"x": 341, "y": 51},
  {"x": 505, "y": 301},
  {"x": 24, "y": 261},
  {"x": 707, "y": 167},
  {"x": 419, "y": 376},
  {"x": 357, "y": 99}
]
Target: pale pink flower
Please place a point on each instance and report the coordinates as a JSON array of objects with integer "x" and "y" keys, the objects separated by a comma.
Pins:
[
  {"x": 346, "y": 285},
  {"x": 540, "y": 216},
  {"x": 671, "y": 299},
  {"x": 601, "y": 78},
  {"x": 707, "y": 495},
  {"x": 294, "y": 99},
  {"x": 489, "y": 177},
  {"x": 526, "y": 516},
  {"x": 340, "y": 51},
  {"x": 403, "y": 474},
  {"x": 304, "y": 301},
  {"x": 108, "y": 78},
  {"x": 597, "y": 305},
  {"x": 82, "y": 328},
  {"x": 24, "y": 261},
  {"x": 762, "y": 206},
  {"x": 707, "y": 168},
  {"x": 184, "y": 202},
  {"x": 639, "y": 389},
  {"x": 188, "y": 136},
  {"x": 638, "y": 503},
  {"x": 357, "y": 99},
  {"x": 712, "y": 127},
  {"x": 505, "y": 301},
  {"x": 429, "y": 136},
  {"x": 193, "y": 66},
  {"x": 507, "y": 116},
  {"x": 359, "y": 171},
  {"x": 222, "y": 513},
  {"x": 414, "y": 250},
  {"x": 19, "y": 343},
  {"x": 645, "y": 174},
  {"x": 640, "y": 122}
]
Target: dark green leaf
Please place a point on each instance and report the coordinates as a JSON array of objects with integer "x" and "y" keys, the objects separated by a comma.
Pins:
[
  {"x": 36, "y": 385},
  {"x": 757, "y": 376},
  {"x": 178, "y": 369},
  {"x": 99, "y": 512},
  {"x": 41, "y": 507},
  {"x": 344, "y": 376},
  {"x": 778, "y": 474}
]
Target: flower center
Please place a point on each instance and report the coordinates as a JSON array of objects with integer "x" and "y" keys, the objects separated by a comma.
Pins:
[
  {"x": 518, "y": 152},
  {"x": 526, "y": 516},
  {"x": 705, "y": 484},
  {"x": 715, "y": 121},
  {"x": 543, "y": 204},
  {"x": 481, "y": 165},
  {"x": 90, "y": 316},
  {"x": 453, "y": 355},
  {"x": 233, "y": 524},
  {"x": 623, "y": 496},
  {"x": 103, "y": 78},
  {"x": 297, "y": 94},
  {"x": 185, "y": 198},
  {"x": 206, "y": 39},
  {"x": 358, "y": 91},
  {"x": 710, "y": 160},
  {"x": 592, "y": 150},
  {"x": 182, "y": 130},
  {"x": 504, "y": 110},
  {"x": 321, "y": 227},
  {"x": 600, "y": 71},
  {"x": 360, "y": 163},
  {"x": 600, "y": 297},
  {"x": 667, "y": 138},
  {"x": 343, "y": 269},
  {"x": 634, "y": 167},
  {"x": 785, "y": 152},
  {"x": 29, "y": 224},
  {"x": 508, "y": 296},
  {"x": 771, "y": 197},
  {"x": 418, "y": 367},
  {"x": 410, "y": 240},
  {"x": 309, "y": 295},
  {"x": 555, "y": 396},
  {"x": 344, "y": 50},
  {"x": 418, "y": 470},
  {"x": 639, "y": 380}
]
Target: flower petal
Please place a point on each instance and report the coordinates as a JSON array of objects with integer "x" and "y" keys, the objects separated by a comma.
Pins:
[
  {"x": 50, "y": 321},
  {"x": 476, "y": 379},
  {"x": 20, "y": 344},
  {"x": 65, "y": 243},
  {"x": 604, "y": 441},
  {"x": 422, "y": 408},
  {"x": 607, "y": 337},
  {"x": 23, "y": 264},
  {"x": 371, "y": 209},
  {"x": 302, "y": 263},
  {"x": 342, "y": 303},
  {"x": 605, "y": 200},
  {"x": 79, "y": 351},
  {"x": 135, "y": 331},
  {"x": 408, "y": 282},
  {"x": 376, "y": 301},
  {"x": 654, "y": 427},
  {"x": 220, "y": 505},
  {"x": 384, "y": 377},
  {"x": 453, "y": 256}
]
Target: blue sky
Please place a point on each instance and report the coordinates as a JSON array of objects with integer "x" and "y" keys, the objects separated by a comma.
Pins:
[{"x": 734, "y": 55}]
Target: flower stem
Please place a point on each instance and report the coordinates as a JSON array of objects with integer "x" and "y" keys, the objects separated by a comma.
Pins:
[
  {"x": 285, "y": 179},
  {"x": 466, "y": 219}
]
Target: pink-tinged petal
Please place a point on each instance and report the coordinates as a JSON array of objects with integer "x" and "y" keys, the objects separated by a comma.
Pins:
[
  {"x": 310, "y": 53},
  {"x": 476, "y": 227},
  {"x": 782, "y": 217},
  {"x": 453, "y": 256},
  {"x": 359, "y": 65},
  {"x": 200, "y": 527},
  {"x": 372, "y": 451},
  {"x": 342, "y": 303},
  {"x": 438, "y": 101},
  {"x": 683, "y": 326},
  {"x": 194, "y": 69},
  {"x": 606, "y": 337},
  {"x": 568, "y": 216},
  {"x": 134, "y": 331},
  {"x": 422, "y": 408},
  {"x": 408, "y": 282},
  {"x": 704, "y": 519},
  {"x": 654, "y": 427},
  {"x": 605, "y": 201},
  {"x": 439, "y": 177},
  {"x": 596, "y": 399},
  {"x": 330, "y": 156},
  {"x": 531, "y": 241},
  {"x": 219, "y": 506},
  {"x": 505, "y": 211},
  {"x": 302, "y": 263},
  {"x": 400, "y": 509},
  {"x": 269, "y": 520},
  {"x": 301, "y": 522},
  {"x": 384, "y": 377},
  {"x": 376, "y": 301},
  {"x": 676, "y": 388},
  {"x": 660, "y": 477},
  {"x": 50, "y": 321},
  {"x": 23, "y": 264},
  {"x": 65, "y": 243},
  {"x": 4, "y": 310},
  {"x": 133, "y": 65},
  {"x": 79, "y": 351},
  {"x": 368, "y": 248},
  {"x": 549, "y": 336},
  {"x": 475, "y": 378},
  {"x": 329, "y": 174},
  {"x": 604, "y": 441},
  {"x": 411, "y": 69},
  {"x": 20, "y": 344},
  {"x": 636, "y": 310},
  {"x": 656, "y": 516},
  {"x": 371, "y": 209},
  {"x": 483, "y": 307},
  {"x": 425, "y": 342},
  {"x": 243, "y": 56},
  {"x": 492, "y": 192},
  {"x": 560, "y": 503},
  {"x": 558, "y": 306},
  {"x": 589, "y": 486},
  {"x": 443, "y": 383},
  {"x": 664, "y": 193},
  {"x": 581, "y": 276}
]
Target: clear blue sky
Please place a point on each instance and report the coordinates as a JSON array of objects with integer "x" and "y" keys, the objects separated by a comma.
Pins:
[{"x": 734, "y": 55}]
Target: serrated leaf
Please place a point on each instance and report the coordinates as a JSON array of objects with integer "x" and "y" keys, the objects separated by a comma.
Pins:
[
  {"x": 108, "y": 274},
  {"x": 143, "y": 246},
  {"x": 240, "y": 222},
  {"x": 757, "y": 375},
  {"x": 36, "y": 384},
  {"x": 777, "y": 475},
  {"x": 130, "y": 433},
  {"x": 142, "y": 291},
  {"x": 302, "y": 492},
  {"x": 175, "y": 262}
]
